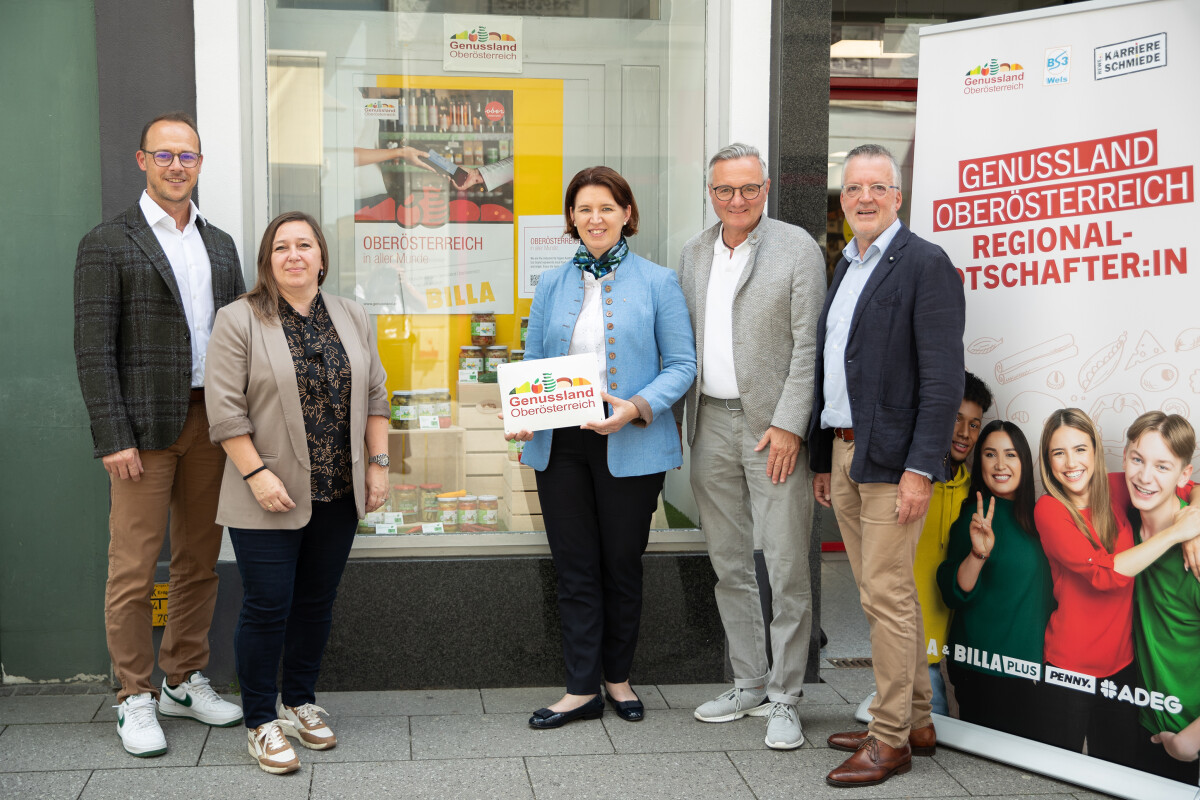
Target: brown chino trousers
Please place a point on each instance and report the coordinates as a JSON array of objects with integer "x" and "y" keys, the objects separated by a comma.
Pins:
[
  {"x": 881, "y": 552},
  {"x": 185, "y": 478}
]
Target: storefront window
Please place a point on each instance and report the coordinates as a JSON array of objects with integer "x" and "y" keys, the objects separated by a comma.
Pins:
[{"x": 439, "y": 187}]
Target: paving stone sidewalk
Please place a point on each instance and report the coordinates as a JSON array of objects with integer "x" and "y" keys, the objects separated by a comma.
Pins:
[{"x": 60, "y": 743}]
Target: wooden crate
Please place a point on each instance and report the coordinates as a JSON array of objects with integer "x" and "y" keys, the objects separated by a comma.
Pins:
[
  {"x": 520, "y": 502},
  {"x": 473, "y": 394},
  {"x": 482, "y": 416},
  {"x": 429, "y": 456},
  {"x": 485, "y": 464},
  {"x": 519, "y": 477},
  {"x": 486, "y": 484}
]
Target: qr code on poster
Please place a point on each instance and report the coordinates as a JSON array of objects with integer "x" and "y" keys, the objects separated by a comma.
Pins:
[{"x": 533, "y": 280}]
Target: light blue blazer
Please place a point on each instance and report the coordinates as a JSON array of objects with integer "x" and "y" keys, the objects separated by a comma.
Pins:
[{"x": 653, "y": 355}]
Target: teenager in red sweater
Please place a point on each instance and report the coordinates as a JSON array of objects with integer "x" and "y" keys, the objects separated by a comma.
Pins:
[{"x": 1092, "y": 563}]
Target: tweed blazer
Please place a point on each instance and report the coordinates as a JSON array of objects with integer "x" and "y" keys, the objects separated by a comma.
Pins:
[
  {"x": 649, "y": 349},
  {"x": 251, "y": 388},
  {"x": 133, "y": 350},
  {"x": 775, "y": 308},
  {"x": 904, "y": 364}
]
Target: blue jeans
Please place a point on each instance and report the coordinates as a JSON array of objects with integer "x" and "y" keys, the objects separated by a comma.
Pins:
[
  {"x": 289, "y": 582},
  {"x": 938, "y": 683}
]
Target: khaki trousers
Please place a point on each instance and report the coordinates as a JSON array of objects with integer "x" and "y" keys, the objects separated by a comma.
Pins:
[
  {"x": 185, "y": 479},
  {"x": 738, "y": 504},
  {"x": 881, "y": 553}
]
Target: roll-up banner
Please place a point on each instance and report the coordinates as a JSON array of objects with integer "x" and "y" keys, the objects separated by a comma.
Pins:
[{"x": 1054, "y": 161}]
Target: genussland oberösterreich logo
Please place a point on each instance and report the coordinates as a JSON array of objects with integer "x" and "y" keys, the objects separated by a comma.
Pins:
[
  {"x": 547, "y": 384},
  {"x": 482, "y": 34},
  {"x": 994, "y": 76}
]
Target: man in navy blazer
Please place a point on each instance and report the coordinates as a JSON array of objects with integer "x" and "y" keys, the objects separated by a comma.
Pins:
[{"x": 889, "y": 380}]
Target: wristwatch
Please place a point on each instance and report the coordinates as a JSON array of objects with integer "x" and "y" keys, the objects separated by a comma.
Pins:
[{"x": 381, "y": 459}]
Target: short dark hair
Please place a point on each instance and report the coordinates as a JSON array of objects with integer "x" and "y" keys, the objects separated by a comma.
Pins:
[
  {"x": 976, "y": 391},
  {"x": 874, "y": 151},
  {"x": 171, "y": 116},
  {"x": 610, "y": 179}
]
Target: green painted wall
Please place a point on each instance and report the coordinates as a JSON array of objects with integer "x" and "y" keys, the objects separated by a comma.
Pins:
[{"x": 53, "y": 495}]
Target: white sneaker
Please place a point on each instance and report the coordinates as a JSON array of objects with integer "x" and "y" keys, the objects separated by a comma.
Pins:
[
  {"x": 734, "y": 704},
  {"x": 196, "y": 699},
  {"x": 138, "y": 727},
  {"x": 267, "y": 745},
  {"x": 305, "y": 724},
  {"x": 783, "y": 727}
]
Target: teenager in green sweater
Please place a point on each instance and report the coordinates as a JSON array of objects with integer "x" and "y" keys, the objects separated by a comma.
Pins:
[
  {"x": 997, "y": 580},
  {"x": 1166, "y": 617}
]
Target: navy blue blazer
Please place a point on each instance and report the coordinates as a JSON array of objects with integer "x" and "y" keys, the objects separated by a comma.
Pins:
[{"x": 904, "y": 364}]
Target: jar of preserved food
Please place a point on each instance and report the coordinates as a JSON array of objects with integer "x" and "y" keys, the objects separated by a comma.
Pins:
[
  {"x": 471, "y": 357},
  {"x": 515, "y": 356},
  {"x": 483, "y": 329},
  {"x": 524, "y": 330},
  {"x": 489, "y": 508},
  {"x": 426, "y": 407},
  {"x": 448, "y": 513},
  {"x": 403, "y": 412},
  {"x": 429, "y": 501},
  {"x": 468, "y": 509},
  {"x": 406, "y": 499},
  {"x": 441, "y": 406},
  {"x": 497, "y": 354}
]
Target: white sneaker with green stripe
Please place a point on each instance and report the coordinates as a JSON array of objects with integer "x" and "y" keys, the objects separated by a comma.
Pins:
[
  {"x": 195, "y": 699},
  {"x": 138, "y": 727}
]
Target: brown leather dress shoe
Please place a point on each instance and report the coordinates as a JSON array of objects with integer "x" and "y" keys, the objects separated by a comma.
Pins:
[
  {"x": 923, "y": 741},
  {"x": 873, "y": 762}
]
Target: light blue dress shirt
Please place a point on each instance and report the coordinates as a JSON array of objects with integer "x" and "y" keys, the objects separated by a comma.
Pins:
[{"x": 836, "y": 413}]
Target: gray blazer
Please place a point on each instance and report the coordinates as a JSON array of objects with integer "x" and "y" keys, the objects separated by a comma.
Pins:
[
  {"x": 133, "y": 350},
  {"x": 251, "y": 388},
  {"x": 775, "y": 310}
]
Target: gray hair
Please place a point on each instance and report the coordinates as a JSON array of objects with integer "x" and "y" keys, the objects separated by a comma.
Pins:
[
  {"x": 875, "y": 151},
  {"x": 737, "y": 150}
]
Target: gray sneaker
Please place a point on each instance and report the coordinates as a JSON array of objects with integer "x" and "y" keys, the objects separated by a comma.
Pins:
[
  {"x": 734, "y": 704},
  {"x": 783, "y": 727}
]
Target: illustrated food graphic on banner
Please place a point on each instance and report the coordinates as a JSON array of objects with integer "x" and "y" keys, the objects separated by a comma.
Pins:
[
  {"x": 434, "y": 171},
  {"x": 1070, "y": 213}
]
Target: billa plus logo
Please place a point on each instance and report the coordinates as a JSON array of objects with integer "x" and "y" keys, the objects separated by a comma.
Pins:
[
  {"x": 1057, "y": 67},
  {"x": 548, "y": 384},
  {"x": 994, "y": 76}
]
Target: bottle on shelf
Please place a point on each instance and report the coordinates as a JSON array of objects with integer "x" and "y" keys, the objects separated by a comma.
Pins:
[
  {"x": 477, "y": 120},
  {"x": 413, "y": 116},
  {"x": 422, "y": 114},
  {"x": 444, "y": 121},
  {"x": 402, "y": 116}
]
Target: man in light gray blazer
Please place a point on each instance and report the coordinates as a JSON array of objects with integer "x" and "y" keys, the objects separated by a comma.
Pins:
[{"x": 754, "y": 287}]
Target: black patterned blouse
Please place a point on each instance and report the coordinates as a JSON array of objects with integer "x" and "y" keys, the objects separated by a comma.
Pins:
[{"x": 323, "y": 379}]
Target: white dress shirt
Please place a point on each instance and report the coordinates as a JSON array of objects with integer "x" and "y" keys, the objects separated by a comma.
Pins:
[
  {"x": 588, "y": 336},
  {"x": 193, "y": 275},
  {"x": 717, "y": 378},
  {"x": 836, "y": 413}
]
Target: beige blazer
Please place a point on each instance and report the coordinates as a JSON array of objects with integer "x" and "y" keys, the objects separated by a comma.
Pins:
[{"x": 250, "y": 387}]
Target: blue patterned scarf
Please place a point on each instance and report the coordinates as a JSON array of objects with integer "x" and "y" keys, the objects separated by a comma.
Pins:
[{"x": 604, "y": 264}]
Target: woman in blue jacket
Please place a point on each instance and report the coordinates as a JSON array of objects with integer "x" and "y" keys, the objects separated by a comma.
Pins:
[{"x": 599, "y": 484}]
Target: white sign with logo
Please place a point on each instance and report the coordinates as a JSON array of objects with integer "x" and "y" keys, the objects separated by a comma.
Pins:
[
  {"x": 481, "y": 43},
  {"x": 542, "y": 246},
  {"x": 546, "y": 393}
]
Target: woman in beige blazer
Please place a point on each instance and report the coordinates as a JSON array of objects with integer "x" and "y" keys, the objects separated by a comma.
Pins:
[{"x": 296, "y": 396}]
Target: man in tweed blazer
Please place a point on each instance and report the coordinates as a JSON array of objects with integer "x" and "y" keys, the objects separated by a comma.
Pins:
[
  {"x": 754, "y": 287},
  {"x": 147, "y": 286}
]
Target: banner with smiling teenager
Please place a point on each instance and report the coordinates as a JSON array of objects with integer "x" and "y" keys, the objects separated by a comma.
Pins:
[{"x": 1071, "y": 227}]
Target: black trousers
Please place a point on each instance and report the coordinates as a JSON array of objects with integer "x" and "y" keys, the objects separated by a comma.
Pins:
[
  {"x": 1153, "y": 758},
  {"x": 598, "y": 527},
  {"x": 1109, "y": 726},
  {"x": 1001, "y": 702}
]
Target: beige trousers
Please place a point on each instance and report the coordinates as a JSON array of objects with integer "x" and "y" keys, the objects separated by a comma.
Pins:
[
  {"x": 881, "y": 553},
  {"x": 185, "y": 479}
]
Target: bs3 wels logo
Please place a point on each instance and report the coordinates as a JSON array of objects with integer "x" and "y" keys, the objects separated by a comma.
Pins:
[{"x": 1057, "y": 68}]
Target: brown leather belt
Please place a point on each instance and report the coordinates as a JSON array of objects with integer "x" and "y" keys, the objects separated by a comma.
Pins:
[
  {"x": 845, "y": 434},
  {"x": 198, "y": 395}
]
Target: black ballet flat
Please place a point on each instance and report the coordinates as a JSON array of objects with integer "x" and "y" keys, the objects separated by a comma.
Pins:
[
  {"x": 544, "y": 718},
  {"x": 628, "y": 710}
]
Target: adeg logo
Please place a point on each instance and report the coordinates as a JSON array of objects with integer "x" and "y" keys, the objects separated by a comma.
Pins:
[{"x": 1108, "y": 689}]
